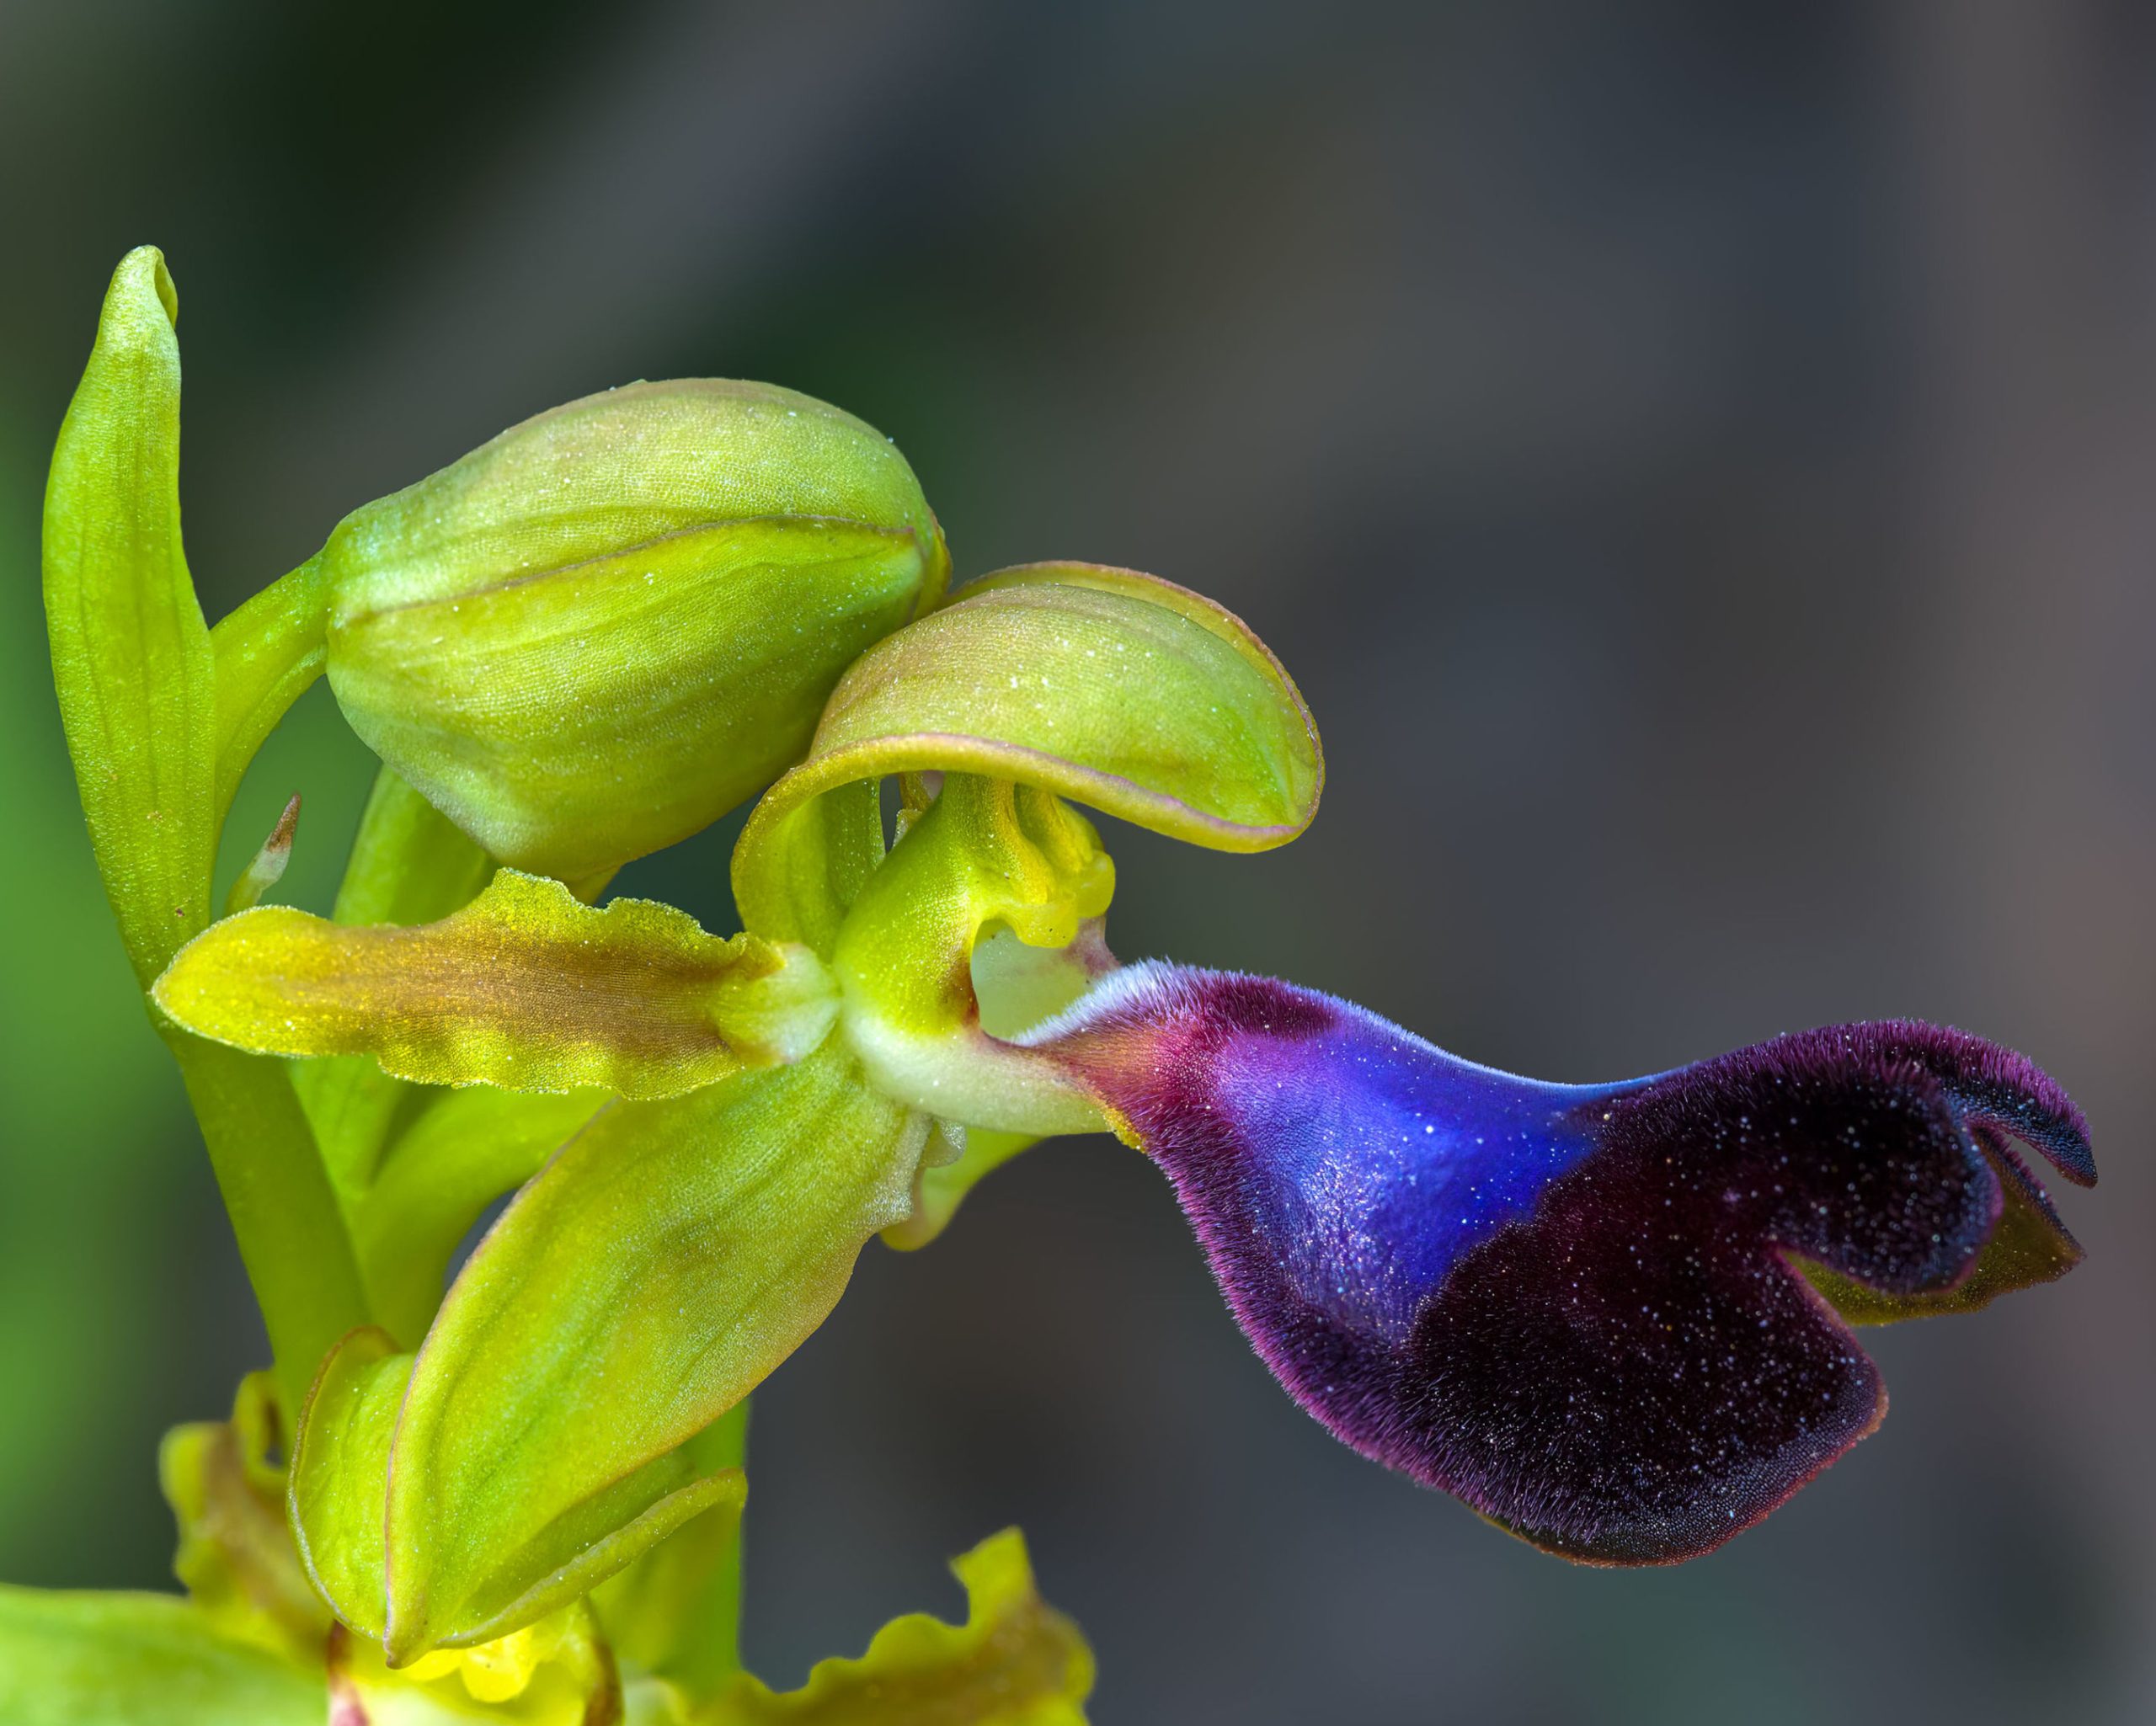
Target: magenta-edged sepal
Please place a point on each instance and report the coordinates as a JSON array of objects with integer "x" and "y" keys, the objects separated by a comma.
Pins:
[{"x": 1603, "y": 1315}]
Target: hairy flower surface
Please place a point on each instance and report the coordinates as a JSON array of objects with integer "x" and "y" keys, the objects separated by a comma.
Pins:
[{"x": 1583, "y": 1309}]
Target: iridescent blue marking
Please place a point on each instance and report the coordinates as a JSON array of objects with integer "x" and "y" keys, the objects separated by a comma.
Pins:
[{"x": 1387, "y": 1160}]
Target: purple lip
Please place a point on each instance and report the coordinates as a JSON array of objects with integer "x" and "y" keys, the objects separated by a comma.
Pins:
[{"x": 1576, "y": 1307}]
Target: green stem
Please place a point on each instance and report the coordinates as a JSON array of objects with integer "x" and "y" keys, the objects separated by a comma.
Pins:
[
  {"x": 291, "y": 1230},
  {"x": 268, "y": 651}
]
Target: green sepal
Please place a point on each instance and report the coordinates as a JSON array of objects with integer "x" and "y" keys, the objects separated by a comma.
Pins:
[
  {"x": 592, "y": 635},
  {"x": 1118, "y": 691},
  {"x": 646, "y": 1280},
  {"x": 140, "y": 1659},
  {"x": 409, "y": 864},
  {"x": 587, "y": 1543},
  {"x": 340, "y": 1475},
  {"x": 526, "y": 989},
  {"x": 132, "y": 658},
  {"x": 1016, "y": 1661}
]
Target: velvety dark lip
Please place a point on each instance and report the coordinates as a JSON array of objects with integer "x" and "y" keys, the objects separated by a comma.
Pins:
[{"x": 1583, "y": 1310}]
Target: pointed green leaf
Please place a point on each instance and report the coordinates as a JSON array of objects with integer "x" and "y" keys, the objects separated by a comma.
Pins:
[
  {"x": 135, "y": 670},
  {"x": 660, "y": 1265},
  {"x": 140, "y": 1659},
  {"x": 1110, "y": 688},
  {"x": 1015, "y": 1662},
  {"x": 130, "y": 654},
  {"x": 526, "y": 987}
]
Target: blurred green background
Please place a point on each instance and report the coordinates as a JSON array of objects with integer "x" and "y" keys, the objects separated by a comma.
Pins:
[{"x": 1696, "y": 461}]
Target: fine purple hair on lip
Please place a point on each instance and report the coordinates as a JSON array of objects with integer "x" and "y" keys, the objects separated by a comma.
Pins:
[{"x": 1574, "y": 1305}]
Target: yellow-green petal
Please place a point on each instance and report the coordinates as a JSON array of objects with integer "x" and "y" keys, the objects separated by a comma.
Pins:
[
  {"x": 526, "y": 989},
  {"x": 1113, "y": 689},
  {"x": 1016, "y": 1661},
  {"x": 409, "y": 865},
  {"x": 648, "y": 1280}
]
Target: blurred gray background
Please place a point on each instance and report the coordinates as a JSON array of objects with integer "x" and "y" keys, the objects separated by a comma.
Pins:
[{"x": 1696, "y": 460}]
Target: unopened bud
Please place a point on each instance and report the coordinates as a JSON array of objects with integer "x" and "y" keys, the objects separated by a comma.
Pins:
[{"x": 595, "y": 635}]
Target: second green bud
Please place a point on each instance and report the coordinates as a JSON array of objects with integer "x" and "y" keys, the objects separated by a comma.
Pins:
[{"x": 595, "y": 635}]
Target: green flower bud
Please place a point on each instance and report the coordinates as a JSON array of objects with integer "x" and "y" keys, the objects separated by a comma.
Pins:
[{"x": 595, "y": 635}]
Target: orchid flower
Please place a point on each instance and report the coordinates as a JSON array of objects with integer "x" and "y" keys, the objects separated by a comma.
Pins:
[{"x": 1613, "y": 1318}]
